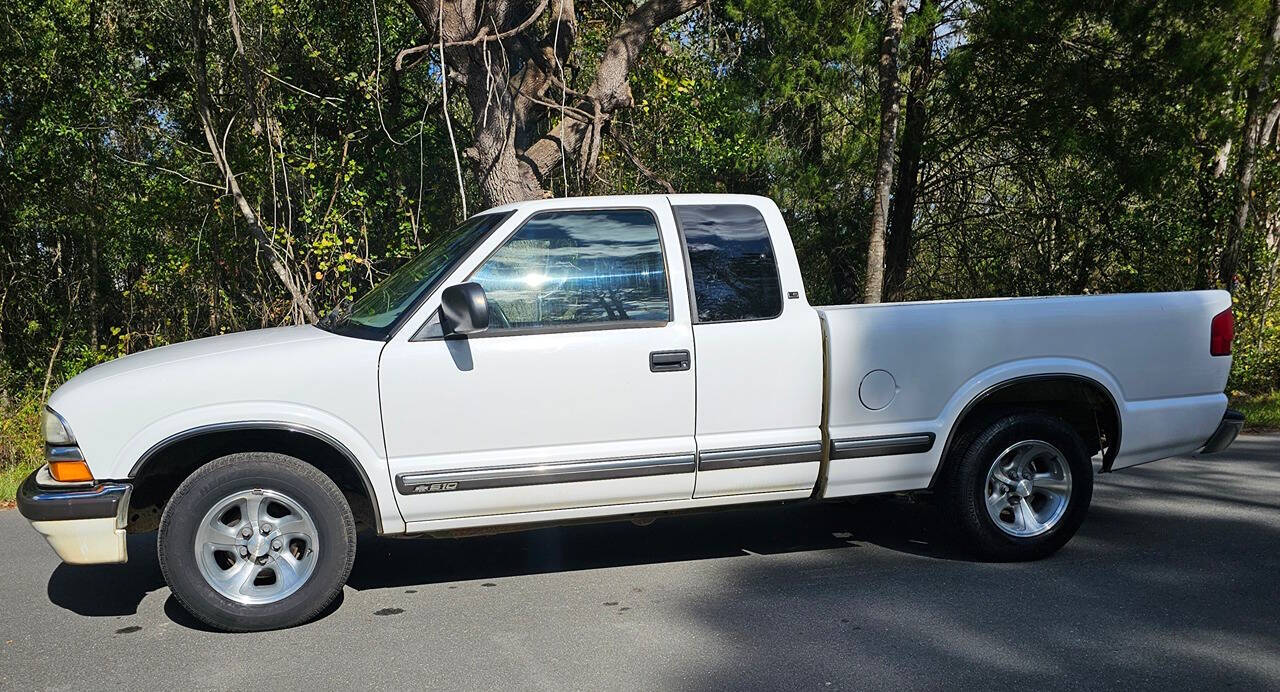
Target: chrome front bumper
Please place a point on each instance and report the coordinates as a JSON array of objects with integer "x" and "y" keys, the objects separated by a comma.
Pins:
[
  {"x": 1232, "y": 422},
  {"x": 84, "y": 523}
]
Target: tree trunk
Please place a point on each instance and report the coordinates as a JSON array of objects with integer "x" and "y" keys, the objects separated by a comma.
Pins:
[
  {"x": 907, "y": 187},
  {"x": 97, "y": 225},
  {"x": 1212, "y": 168},
  {"x": 895, "y": 9},
  {"x": 95, "y": 277},
  {"x": 1245, "y": 166},
  {"x": 514, "y": 153},
  {"x": 1273, "y": 245},
  {"x": 1269, "y": 124}
]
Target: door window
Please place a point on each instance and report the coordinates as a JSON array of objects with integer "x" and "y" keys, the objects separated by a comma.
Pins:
[
  {"x": 735, "y": 275},
  {"x": 570, "y": 269}
]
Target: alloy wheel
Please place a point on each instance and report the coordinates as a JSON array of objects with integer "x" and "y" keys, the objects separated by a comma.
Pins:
[{"x": 1028, "y": 488}]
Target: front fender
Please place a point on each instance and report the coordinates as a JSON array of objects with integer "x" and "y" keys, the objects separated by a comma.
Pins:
[
  {"x": 276, "y": 414},
  {"x": 127, "y": 459}
]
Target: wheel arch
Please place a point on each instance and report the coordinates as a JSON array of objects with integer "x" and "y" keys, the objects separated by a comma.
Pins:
[
  {"x": 159, "y": 470},
  {"x": 1065, "y": 394}
]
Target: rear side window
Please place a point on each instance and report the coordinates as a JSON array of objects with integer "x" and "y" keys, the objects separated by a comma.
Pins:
[{"x": 735, "y": 274}]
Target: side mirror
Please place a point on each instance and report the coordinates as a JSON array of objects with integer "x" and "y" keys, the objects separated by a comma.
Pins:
[{"x": 464, "y": 309}]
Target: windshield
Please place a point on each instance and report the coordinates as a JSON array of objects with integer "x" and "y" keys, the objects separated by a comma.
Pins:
[{"x": 380, "y": 310}]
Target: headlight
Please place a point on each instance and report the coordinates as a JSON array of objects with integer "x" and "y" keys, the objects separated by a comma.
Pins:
[{"x": 55, "y": 429}]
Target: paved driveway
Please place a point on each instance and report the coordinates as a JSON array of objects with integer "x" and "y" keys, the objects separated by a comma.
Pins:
[{"x": 1174, "y": 581}]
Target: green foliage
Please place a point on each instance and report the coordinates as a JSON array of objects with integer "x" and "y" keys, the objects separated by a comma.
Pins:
[
  {"x": 1261, "y": 411},
  {"x": 1067, "y": 147},
  {"x": 21, "y": 449},
  {"x": 1256, "y": 361}
]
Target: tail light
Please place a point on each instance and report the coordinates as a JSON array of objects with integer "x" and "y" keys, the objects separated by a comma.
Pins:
[{"x": 1221, "y": 331}]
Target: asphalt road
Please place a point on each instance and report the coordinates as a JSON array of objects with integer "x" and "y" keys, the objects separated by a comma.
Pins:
[{"x": 1174, "y": 582}]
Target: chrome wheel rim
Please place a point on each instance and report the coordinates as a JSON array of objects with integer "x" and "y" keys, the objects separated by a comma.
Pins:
[
  {"x": 256, "y": 546},
  {"x": 1028, "y": 488}
]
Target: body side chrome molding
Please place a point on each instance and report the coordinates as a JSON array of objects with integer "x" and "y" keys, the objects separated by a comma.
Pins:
[
  {"x": 540, "y": 474},
  {"x": 859, "y": 447},
  {"x": 747, "y": 457}
]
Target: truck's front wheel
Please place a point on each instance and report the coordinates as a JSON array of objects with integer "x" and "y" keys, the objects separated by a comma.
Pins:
[
  {"x": 1019, "y": 486},
  {"x": 256, "y": 541}
]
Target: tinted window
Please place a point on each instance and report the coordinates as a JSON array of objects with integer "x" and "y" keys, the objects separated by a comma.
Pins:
[
  {"x": 577, "y": 267},
  {"x": 735, "y": 276}
]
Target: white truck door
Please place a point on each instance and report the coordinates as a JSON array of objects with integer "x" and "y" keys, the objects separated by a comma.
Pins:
[
  {"x": 579, "y": 394},
  {"x": 759, "y": 376}
]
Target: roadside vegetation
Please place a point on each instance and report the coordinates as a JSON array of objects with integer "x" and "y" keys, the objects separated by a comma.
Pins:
[
  {"x": 182, "y": 168},
  {"x": 21, "y": 449},
  {"x": 1261, "y": 411}
]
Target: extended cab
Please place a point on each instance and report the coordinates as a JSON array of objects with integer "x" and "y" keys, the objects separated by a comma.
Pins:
[{"x": 574, "y": 359}]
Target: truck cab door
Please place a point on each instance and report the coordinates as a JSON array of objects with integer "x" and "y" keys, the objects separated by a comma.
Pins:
[
  {"x": 759, "y": 376},
  {"x": 579, "y": 394}
]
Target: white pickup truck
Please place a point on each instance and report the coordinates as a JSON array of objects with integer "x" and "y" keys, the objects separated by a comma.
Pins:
[{"x": 602, "y": 358}]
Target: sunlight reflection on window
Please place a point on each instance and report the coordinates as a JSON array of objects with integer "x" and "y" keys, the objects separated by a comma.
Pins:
[{"x": 576, "y": 267}]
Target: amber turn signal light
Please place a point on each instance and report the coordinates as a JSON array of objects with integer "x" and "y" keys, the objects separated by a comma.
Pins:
[{"x": 70, "y": 471}]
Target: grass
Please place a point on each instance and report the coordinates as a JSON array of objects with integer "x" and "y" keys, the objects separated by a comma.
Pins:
[
  {"x": 21, "y": 449},
  {"x": 10, "y": 478},
  {"x": 1261, "y": 411}
]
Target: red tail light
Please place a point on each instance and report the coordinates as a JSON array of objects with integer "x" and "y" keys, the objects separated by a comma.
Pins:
[{"x": 1221, "y": 331}]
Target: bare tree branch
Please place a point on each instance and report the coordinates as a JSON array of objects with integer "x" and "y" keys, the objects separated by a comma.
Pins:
[
  {"x": 300, "y": 300},
  {"x": 514, "y": 154},
  {"x": 483, "y": 36},
  {"x": 1269, "y": 124},
  {"x": 644, "y": 170},
  {"x": 444, "y": 108},
  {"x": 166, "y": 170},
  {"x": 610, "y": 90}
]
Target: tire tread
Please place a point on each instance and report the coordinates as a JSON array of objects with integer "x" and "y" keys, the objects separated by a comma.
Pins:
[
  {"x": 242, "y": 462},
  {"x": 972, "y": 455}
]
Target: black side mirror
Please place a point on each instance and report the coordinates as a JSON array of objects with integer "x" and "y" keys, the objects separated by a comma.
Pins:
[{"x": 464, "y": 309}]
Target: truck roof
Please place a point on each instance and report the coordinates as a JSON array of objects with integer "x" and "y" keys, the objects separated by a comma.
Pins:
[{"x": 618, "y": 200}]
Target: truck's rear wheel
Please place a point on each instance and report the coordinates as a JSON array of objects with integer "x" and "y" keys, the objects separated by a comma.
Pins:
[
  {"x": 256, "y": 541},
  {"x": 1018, "y": 486}
]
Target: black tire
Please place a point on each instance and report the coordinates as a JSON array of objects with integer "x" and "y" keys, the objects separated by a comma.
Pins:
[
  {"x": 319, "y": 497},
  {"x": 963, "y": 485}
]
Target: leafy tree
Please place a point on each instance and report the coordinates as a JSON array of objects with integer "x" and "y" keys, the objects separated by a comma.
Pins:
[
  {"x": 515, "y": 68},
  {"x": 178, "y": 169}
]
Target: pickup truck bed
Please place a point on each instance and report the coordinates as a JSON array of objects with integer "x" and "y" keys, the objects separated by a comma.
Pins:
[
  {"x": 575, "y": 359},
  {"x": 1145, "y": 355}
]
